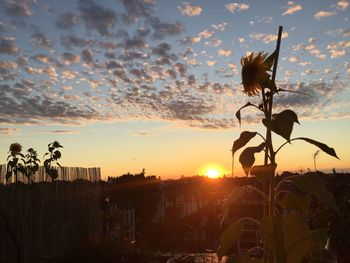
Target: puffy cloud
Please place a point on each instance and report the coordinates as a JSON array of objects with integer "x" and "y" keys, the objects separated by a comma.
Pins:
[
  {"x": 346, "y": 33},
  {"x": 292, "y": 8},
  {"x": 8, "y": 45},
  {"x": 38, "y": 39},
  {"x": 220, "y": 27},
  {"x": 322, "y": 14},
  {"x": 225, "y": 52},
  {"x": 97, "y": 17},
  {"x": 42, "y": 109},
  {"x": 164, "y": 29},
  {"x": 205, "y": 34},
  {"x": 70, "y": 41},
  {"x": 213, "y": 43},
  {"x": 69, "y": 58},
  {"x": 293, "y": 59},
  {"x": 337, "y": 53},
  {"x": 67, "y": 20},
  {"x": 267, "y": 38},
  {"x": 87, "y": 56},
  {"x": 211, "y": 63},
  {"x": 233, "y": 7},
  {"x": 190, "y": 10},
  {"x": 342, "y": 5},
  {"x": 16, "y": 8}
]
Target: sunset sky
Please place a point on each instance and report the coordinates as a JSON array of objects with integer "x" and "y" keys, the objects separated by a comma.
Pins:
[{"x": 155, "y": 84}]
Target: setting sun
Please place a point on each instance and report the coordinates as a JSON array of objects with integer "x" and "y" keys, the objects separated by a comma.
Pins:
[{"x": 212, "y": 171}]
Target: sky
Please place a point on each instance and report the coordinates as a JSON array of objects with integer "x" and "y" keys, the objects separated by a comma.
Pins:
[{"x": 155, "y": 84}]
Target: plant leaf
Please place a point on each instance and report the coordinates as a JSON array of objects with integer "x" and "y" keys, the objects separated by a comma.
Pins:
[
  {"x": 315, "y": 185},
  {"x": 270, "y": 59},
  {"x": 320, "y": 145},
  {"x": 235, "y": 194},
  {"x": 292, "y": 91},
  {"x": 238, "y": 113},
  {"x": 262, "y": 172},
  {"x": 297, "y": 202},
  {"x": 229, "y": 237},
  {"x": 247, "y": 157},
  {"x": 282, "y": 123},
  {"x": 243, "y": 139}
]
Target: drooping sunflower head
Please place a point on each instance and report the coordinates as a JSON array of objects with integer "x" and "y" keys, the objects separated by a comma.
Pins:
[
  {"x": 15, "y": 148},
  {"x": 254, "y": 73}
]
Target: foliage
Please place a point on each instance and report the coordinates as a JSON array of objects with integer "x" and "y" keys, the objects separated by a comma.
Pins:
[
  {"x": 53, "y": 156},
  {"x": 31, "y": 162},
  {"x": 14, "y": 163},
  {"x": 286, "y": 237}
]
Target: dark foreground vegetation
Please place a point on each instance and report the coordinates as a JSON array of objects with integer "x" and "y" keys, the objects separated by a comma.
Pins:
[{"x": 134, "y": 218}]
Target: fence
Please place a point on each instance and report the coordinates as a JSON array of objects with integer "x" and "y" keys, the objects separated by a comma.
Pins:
[{"x": 64, "y": 174}]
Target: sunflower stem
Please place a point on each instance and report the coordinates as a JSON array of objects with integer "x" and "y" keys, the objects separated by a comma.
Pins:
[{"x": 268, "y": 103}]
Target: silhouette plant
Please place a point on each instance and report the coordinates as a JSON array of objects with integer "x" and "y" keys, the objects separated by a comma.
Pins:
[
  {"x": 14, "y": 163},
  {"x": 53, "y": 156},
  {"x": 31, "y": 162},
  {"x": 286, "y": 238}
]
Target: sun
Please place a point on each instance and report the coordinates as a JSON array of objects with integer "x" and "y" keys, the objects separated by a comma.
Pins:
[{"x": 212, "y": 173}]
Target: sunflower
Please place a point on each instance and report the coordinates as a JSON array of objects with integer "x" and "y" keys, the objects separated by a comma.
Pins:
[
  {"x": 254, "y": 73},
  {"x": 15, "y": 148},
  {"x": 56, "y": 144}
]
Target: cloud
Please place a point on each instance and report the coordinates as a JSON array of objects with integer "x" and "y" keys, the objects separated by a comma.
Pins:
[
  {"x": 341, "y": 5},
  {"x": 292, "y": 8},
  {"x": 164, "y": 29},
  {"x": 213, "y": 43},
  {"x": 190, "y": 10},
  {"x": 16, "y": 8},
  {"x": 58, "y": 132},
  {"x": 205, "y": 34},
  {"x": 38, "y": 39},
  {"x": 7, "y": 131},
  {"x": 220, "y": 27},
  {"x": 87, "y": 56},
  {"x": 69, "y": 58},
  {"x": 8, "y": 45},
  {"x": 337, "y": 53},
  {"x": 71, "y": 41},
  {"x": 346, "y": 33},
  {"x": 267, "y": 38},
  {"x": 320, "y": 101},
  {"x": 97, "y": 17},
  {"x": 211, "y": 63},
  {"x": 322, "y": 14},
  {"x": 42, "y": 109},
  {"x": 293, "y": 59},
  {"x": 233, "y": 7},
  {"x": 67, "y": 20},
  {"x": 225, "y": 52}
]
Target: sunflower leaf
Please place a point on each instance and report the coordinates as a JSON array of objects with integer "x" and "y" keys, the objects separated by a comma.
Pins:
[
  {"x": 321, "y": 145},
  {"x": 247, "y": 157},
  {"x": 270, "y": 59},
  {"x": 238, "y": 113},
  {"x": 243, "y": 139},
  {"x": 232, "y": 233},
  {"x": 282, "y": 123}
]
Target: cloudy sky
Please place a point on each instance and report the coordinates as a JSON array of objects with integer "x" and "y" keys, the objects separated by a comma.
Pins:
[{"x": 155, "y": 84}]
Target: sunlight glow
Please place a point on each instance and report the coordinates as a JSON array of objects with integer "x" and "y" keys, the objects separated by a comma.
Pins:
[{"x": 212, "y": 171}]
